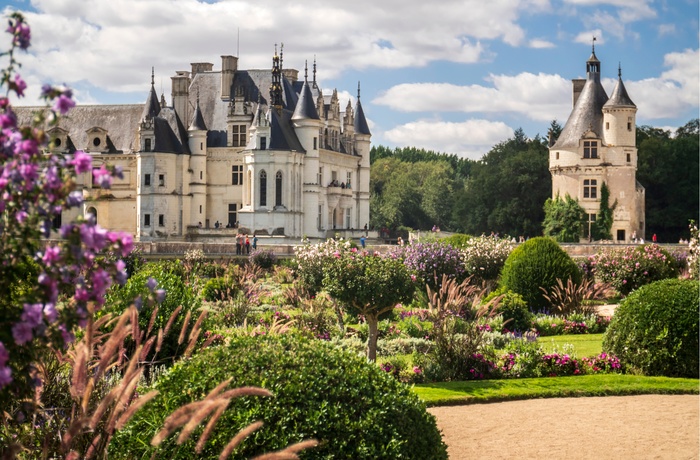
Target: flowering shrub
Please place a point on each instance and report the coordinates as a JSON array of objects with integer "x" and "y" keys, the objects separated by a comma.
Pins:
[
  {"x": 626, "y": 269},
  {"x": 602, "y": 364},
  {"x": 430, "y": 261},
  {"x": 485, "y": 256},
  {"x": 558, "y": 365},
  {"x": 71, "y": 279},
  {"x": 262, "y": 258},
  {"x": 311, "y": 259},
  {"x": 694, "y": 251},
  {"x": 548, "y": 325},
  {"x": 575, "y": 327}
]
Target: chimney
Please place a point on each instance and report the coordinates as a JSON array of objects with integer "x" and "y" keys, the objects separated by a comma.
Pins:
[
  {"x": 229, "y": 65},
  {"x": 180, "y": 94},
  {"x": 199, "y": 67},
  {"x": 578, "y": 87}
]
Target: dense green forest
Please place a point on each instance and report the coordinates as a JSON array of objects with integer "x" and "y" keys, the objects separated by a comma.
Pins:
[{"x": 505, "y": 191}]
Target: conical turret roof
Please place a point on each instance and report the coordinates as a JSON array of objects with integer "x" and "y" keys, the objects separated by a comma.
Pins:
[
  {"x": 152, "y": 107},
  {"x": 306, "y": 106},
  {"x": 360, "y": 124},
  {"x": 619, "y": 97},
  {"x": 197, "y": 120}
]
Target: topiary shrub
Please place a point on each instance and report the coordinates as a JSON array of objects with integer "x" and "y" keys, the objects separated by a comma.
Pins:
[
  {"x": 353, "y": 408},
  {"x": 513, "y": 309},
  {"x": 655, "y": 329},
  {"x": 537, "y": 263}
]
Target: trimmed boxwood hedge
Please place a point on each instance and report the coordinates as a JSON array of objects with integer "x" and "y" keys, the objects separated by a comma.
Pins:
[
  {"x": 535, "y": 264},
  {"x": 352, "y": 407},
  {"x": 655, "y": 329}
]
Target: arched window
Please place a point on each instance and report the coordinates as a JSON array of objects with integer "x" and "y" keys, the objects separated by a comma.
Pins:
[
  {"x": 93, "y": 211},
  {"x": 263, "y": 188},
  {"x": 278, "y": 188}
]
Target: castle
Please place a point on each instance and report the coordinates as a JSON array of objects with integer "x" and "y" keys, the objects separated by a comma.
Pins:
[
  {"x": 258, "y": 150},
  {"x": 598, "y": 146}
]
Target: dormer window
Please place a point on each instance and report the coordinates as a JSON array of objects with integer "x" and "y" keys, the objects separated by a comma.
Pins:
[
  {"x": 590, "y": 149},
  {"x": 97, "y": 139},
  {"x": 59, "y": 138}
]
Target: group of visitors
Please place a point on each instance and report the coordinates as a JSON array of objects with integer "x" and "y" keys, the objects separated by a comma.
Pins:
[
  {"x": 334, "y": 183},
  {"x": 243, "y": 244}
]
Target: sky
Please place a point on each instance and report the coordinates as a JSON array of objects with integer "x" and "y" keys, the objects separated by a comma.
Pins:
[{"x": 449, "y": 76}]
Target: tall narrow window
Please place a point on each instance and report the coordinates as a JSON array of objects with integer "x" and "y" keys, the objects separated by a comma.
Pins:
[
  {"x": 161, "y": 180},
  {"x": 263, "y": 188},
  {"x": 590, "y": 149},
  {"x": 315, "y": 143},
  {"x": 146, "y": 220},
  {"x": 232, "y": 215},
  {"x": 237, "y": 175},
  {"x": 590, "y": 188},
  {"x": 320, "y": 176},
  {"x": 278, "y": 188},
  {"x": 147, "y": 180},
  {"x": 161, "y": 220},
  {"x": 319, "y": 218},
  {"x": 147, "y": 145},
  {"x": 348, "y": 182},
  {"x": 348, "y": 218},
  {"x": 238, "y": 135},
  {"x": 590, "y": 221},
  {"x": 263, "y": 143}
]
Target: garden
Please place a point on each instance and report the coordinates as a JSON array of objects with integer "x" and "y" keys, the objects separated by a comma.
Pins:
[{"x": 333, "y": 353}]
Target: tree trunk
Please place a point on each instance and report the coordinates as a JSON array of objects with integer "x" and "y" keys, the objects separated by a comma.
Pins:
[{"x": 372, "y": 322}]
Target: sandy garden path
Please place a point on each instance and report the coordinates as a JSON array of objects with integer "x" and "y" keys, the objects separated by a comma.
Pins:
[{"x": 614, "y": 427}]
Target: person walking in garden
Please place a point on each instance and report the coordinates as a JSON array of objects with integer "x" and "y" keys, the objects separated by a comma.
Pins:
[
  {"x": 653, "y": 238},
  {"x": 362, "y": 241},
  {"x": 255, "y": 242},
  {"x": 247, "y": 245}
]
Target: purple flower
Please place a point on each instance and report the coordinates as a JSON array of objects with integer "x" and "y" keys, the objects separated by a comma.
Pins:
[
  {"x": 51, "y": 255},
  {"x": 50, "y": 312},
  {"x": 102, "y": 176},
  {"x": 64, "y": 103},
  {"x": 67, "y": 336},
  {"x": 18, "y": 85},
  {"x": 33, "y": 314},
  {"x": 22, "y": 34},
  {"x": 151, "y": 284},
  {"x": 5, "y": 376},
  {"x": 22, "y": 333},
  {"x": 160, "y": 295},
  {"x": 82, "y": 162},
  {"x": 121, "y": 275},
  {"x": 75, "y": 198}
]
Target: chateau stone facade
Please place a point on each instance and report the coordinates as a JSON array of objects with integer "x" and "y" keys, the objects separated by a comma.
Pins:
[
  {"x": 598, "y": 146},
  {"x": 257, "y": 149}
]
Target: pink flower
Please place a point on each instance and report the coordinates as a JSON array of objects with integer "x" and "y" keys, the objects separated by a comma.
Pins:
[{"x": 81, "y": 161}]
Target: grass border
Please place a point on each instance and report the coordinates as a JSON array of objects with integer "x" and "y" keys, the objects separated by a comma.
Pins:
[{"x": 488, "y": 391}]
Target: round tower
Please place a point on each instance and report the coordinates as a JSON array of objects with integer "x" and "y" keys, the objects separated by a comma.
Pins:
[
  {"x": 619, "y": 117},
  {"x": 197, "y": 140}
]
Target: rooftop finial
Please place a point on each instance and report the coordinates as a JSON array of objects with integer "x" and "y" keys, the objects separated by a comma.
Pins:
[
  {"x": 619, "y": 70},
  {"x": 306, "y": 70},
  {"x": 314, "y": 70},
  {"x": 281, "y": 54},
  {"x": 593, "y": 44},
  {"x": 358, "y": 90},
  {"x": 153, "y": 76}
]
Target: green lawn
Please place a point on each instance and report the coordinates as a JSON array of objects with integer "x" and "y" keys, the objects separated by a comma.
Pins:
[
  {"x": 583, "y": 344},
  {"x": 483, "y": 391}
]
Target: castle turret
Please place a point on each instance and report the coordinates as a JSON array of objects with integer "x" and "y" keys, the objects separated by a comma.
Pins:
[
  {"x": 197, "y": 138},
  {"x": 619, "y": 116},
  {"x": 362, "y": 148},
  {"x": 151, "y": 109}
]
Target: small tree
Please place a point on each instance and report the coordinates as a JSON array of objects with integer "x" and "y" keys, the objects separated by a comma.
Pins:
[
  {"x": 562, "y": 219},
  {"x": 370, "y": 285},
  {"x": 603, "y": 225}
]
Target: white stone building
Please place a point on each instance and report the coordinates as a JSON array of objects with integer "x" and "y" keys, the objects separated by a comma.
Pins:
[
  {"x": 597, "y": 146},
  {"x": 256, "y": 149}
]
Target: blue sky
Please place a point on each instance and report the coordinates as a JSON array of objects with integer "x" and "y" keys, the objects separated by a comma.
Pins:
[{"x": 450, "y": 76}]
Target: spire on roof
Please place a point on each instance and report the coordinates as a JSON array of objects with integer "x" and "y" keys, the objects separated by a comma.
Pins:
[
  {"x": 314, "y": 82},
  {"x": 306, "y": 70},
  {"x": 593, "y": 64},
  {"x": 197, "y": 118},
  {"x": 152, "y": 107},
  {"x": 619, "y": 96},
  {"x": 306, "y": 107},
  {"x": 361, "y": 126},
  {"x": 276, "y": 85}
]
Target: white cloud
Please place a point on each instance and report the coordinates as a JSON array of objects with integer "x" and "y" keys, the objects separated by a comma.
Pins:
[
  {"x": 675, "y": 91},
  {"x": 538, "y": 97},
  {"x": 540, "y": 43},
  {"x": 468, "y": 139},
  {"x": 586, "y": 37},
  {"x": 667, "y": 29}
]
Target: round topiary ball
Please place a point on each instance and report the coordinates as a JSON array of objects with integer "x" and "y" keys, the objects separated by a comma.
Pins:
[
  {"x": 353, "y": 408},
  {"x": 655, "y": 329},
  {"x": 535, "y": 264}
]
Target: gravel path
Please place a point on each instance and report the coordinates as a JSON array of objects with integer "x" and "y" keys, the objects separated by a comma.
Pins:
[{"x": 613, "y": 427}]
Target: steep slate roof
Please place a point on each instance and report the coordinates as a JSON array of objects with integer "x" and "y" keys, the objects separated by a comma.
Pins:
[
  {"x": 360, "y": 125},
  {"x": 619, "y": 97},
  {"x": 152, "y": 107},
  {"x": 306, "y": 105},
  {"x": 587, "y": 113},
  {"x": 282, "y": 135},
  {"x": 197, "y": 120},
  {"x": 289, "y": 94},
  {"x": 120, "y": 121},
  {"x": 171, "y": 135}
]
